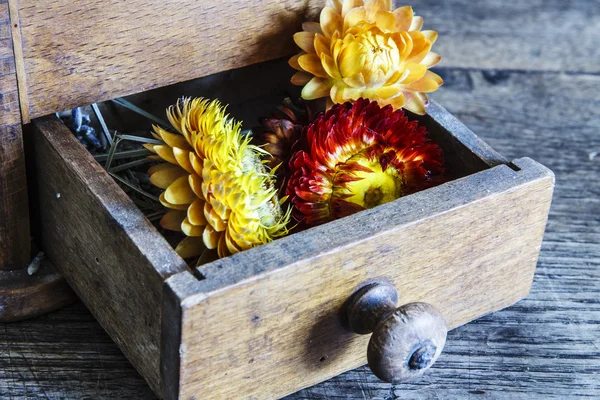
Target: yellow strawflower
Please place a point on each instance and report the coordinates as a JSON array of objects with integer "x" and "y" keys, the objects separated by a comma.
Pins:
[
  {"x": 364, "y": 49},
  {"x": 216, "y": 186}
]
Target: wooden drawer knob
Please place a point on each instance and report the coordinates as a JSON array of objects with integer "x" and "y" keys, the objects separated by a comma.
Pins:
[{"x": 406, "y": 341}]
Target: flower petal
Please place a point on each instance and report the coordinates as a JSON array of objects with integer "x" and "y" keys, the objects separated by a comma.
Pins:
[
  {"x": 196, "y": 163},
  {"x": 349, "y": 5},
  {"x": 331, "y": 21},
  {"x": 183, "y": 159},
  {"x": 386, "y": 92},
  {"x": 316, "y": 88},
  {"x": 314, "y": 27},
  {"x": 330, "y": 67},
  {"x": 164, "y": 177},
  {"x": 355, "y": 81},
  {"x": 374, "y": 6},
  {"x": 213, "y": 218},
  {"x": 180, "y": 207},
  {"x": 159, "y": 167},
  {"x": 150, "y": 147},
  {"x": 293, "y": 62},
  {"x": 180, "y": 192},
  {"x": 431, "y": 59},
  {"x": 312, "y": 63},
  {"x": 385, "y": 20},
  {"x": 435, "y": 77},
  {"x": 404, "y": 17},
  {"x": 414, "y": 104},
  {"x": 172, "y": 220},
  {"x": 165, "y": 152},
  {"x": 353, "y": 17},
  {"x": 322, "y": 44},
  {"x": 417, "y": 24},
  {"x": 301, "y": 78},
  {"x": 397, "y": 102},
  {"x": 211, "y": 237},
  {"x": 195, "y": 182},
  {"x": 417, "y": 71},
  {"x": 173, "y": 139},
  {"x": 341, "y": 94},
  {"x": 421, "y": 47},
  {"x": 335, "y": 4},
  {"x": 191, "y": 230},
  {"x": 306, "y": 41},
  {"x": 424, "y": 84},
  {"x": 190, "y": 247},
  {"x": 195, "y": 213},
  {"x": 222, "y": 250},
  {"x": 231, "y": 245},
  {"x": 430, "y": 35}
]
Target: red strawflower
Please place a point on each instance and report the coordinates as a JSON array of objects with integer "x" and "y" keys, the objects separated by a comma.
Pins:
[{"x": 358, "y": 156}]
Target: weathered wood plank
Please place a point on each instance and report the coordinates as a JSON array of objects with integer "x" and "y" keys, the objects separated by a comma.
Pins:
[
  {"x": 548, "y": 35},
  {"x": 109, "y": 253},
  {"x": 14, "y": 213},
  {"x": 130, "y": 47}
]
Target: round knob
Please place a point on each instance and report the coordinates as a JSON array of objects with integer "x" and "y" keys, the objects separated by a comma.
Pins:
[{"x": 406, "y": 341}]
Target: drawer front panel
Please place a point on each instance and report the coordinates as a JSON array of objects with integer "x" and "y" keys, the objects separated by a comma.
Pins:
[{"x": 280, "y": 331}]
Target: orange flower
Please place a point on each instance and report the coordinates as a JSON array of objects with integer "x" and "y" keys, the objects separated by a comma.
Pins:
[
  {"x": 357, "y": 157},
  {"x": 364, "y": 49}
]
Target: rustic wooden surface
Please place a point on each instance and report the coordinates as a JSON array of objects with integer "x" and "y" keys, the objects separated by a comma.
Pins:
[
  {"x": 14, "y": 213},
  {"x": 110, "y": 254},
  {"x": 537, "y": 96}
]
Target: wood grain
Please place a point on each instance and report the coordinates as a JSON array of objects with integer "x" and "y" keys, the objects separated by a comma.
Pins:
[
  {"x": 546, "y": 346},
  {"x": 14, "y": 213},
  {"x": 109, "y": 253},
  {"x": 130, "y": 47},
  {"x": 468, "y": 247},
  {"x": 532, "y": 35}
]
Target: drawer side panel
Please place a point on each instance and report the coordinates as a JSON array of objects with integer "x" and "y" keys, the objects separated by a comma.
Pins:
[{"x": 108, "y": 252}]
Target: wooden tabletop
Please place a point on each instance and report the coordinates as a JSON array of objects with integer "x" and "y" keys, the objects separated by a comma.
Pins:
[{"x": 525, "y": 76}]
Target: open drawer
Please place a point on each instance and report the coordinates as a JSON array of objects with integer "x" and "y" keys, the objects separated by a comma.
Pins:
[{"x": 266, "y": 322}]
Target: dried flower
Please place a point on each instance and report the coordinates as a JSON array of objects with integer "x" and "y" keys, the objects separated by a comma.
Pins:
[
  {"x": 216, "y": 186},
  {"x": 360, "y": 156},
  {"x": 280, "y": 133},
  {"x": 363, "y": 49}
]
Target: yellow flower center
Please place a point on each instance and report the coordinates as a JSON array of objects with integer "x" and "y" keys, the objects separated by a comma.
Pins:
[
  {"x": 370, "y": 186},
  {"x": 369, "y": 52}
]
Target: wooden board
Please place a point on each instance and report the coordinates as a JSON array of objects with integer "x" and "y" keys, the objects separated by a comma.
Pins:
[
  {"x": 14, "y": 213},
  {"x": 109, "y": 253},
  {"x": 80, "y": 53},
  {"x": 468, "y": 247}
]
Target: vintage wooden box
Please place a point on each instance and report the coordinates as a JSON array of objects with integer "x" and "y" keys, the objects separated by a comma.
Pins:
[{"x": 265, "y": 322}]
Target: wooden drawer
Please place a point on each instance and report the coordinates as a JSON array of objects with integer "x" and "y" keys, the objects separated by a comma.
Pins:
[{"x": 265, "y": 322}]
